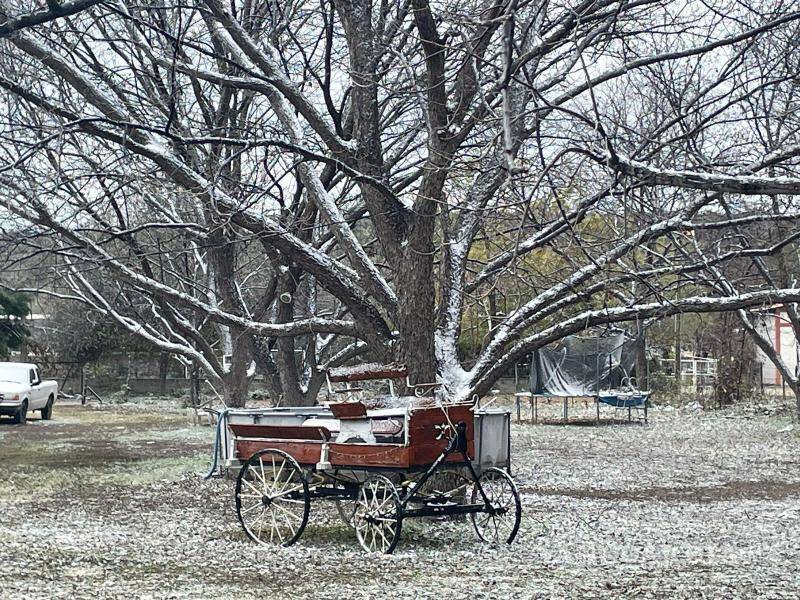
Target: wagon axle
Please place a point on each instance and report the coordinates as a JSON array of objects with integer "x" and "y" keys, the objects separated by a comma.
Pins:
[{"x": 372, "y": 520}]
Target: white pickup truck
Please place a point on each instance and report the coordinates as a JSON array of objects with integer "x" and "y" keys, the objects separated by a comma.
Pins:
[{"x": 22, "y": 390}]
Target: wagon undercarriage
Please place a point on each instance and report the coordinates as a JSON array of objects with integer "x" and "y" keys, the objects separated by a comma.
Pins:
[{"x": 274, "y": 495}]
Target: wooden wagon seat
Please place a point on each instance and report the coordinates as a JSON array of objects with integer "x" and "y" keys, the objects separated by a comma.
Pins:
[
  {"x": 387, "y": 413},
  {"x": 390, "y": 426}
]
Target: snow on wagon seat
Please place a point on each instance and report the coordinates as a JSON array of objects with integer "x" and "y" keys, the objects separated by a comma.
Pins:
[{"x": 367, "y": 372}]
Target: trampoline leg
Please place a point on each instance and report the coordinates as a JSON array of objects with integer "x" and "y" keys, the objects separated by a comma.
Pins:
[
  {"x": 565, "y": 409},
  {"x": 518, "y": 409},
  {"x": 597, "y": 407},
  {"x": 629, "y": 414},
  {"x": 533, "y": 418},
  {"x": 535, "y": 409}
]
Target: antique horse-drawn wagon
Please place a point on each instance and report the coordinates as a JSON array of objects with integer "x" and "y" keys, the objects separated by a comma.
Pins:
[{"x": 382, "y": 459}]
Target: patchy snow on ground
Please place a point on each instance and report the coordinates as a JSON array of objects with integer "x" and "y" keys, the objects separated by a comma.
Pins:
[{"x": 695, "y": 504}]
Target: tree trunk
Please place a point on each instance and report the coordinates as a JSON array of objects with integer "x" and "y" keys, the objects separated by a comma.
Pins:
[
  {"x": 163, "y": 366},
  {"x": 642, "y": 382},
  {"x": 416, "y": 300},
  {"x": 235, "y": 339},
  {"x": 194, "y": 386},
  {"x": 678, "y": 351},
  {"x": 236, "y": 390},
  {"x": 236, "y": 381}
]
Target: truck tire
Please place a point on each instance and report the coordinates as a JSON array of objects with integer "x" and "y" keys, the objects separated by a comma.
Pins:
[
  {"x": 21, "y": 416},
  {"x": 47, "y": 411}
]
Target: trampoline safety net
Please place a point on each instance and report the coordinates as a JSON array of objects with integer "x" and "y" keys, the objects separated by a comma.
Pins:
[{"x": 583, "y": 366}]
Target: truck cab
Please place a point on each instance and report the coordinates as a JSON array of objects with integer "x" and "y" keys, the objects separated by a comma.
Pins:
[{"x": 22, "y": 390}]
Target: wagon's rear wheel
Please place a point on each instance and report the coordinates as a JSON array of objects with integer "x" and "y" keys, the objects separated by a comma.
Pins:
[
  {"x": 272, "y": 499},
  {"x": 378, "y": 517},
  {"x": 500, "y": 521}
]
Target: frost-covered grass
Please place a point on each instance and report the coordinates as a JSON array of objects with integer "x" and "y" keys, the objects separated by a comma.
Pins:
[
  {"x": 697, "y": 504},
  {"x": 88, "y": 448}
]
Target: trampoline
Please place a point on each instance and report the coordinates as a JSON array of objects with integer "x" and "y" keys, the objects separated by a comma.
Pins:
[{"x": 586, "y": 368}]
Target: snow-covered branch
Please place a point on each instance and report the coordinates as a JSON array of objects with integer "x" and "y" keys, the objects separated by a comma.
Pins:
[
  {"x": 713, "y": 182},
  {"x": 11, "y": 23}
]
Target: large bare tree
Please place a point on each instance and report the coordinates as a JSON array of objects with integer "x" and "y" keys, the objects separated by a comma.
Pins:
[{"x": 295, "y": 184}]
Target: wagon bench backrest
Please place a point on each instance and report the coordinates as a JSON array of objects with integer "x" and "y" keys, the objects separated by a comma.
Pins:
[
  {"x": 367, "y": 372},
  {"x": 349, "y": 375}
]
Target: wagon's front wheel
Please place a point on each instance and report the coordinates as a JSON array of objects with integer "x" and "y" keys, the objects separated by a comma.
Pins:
[
  {"x": 499, "y": 522},
  {"x": 378, "y": 517},
  {"x": 272, "y": 499}
]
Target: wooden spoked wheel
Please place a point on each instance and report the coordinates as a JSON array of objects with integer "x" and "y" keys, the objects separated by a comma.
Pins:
[
  {"x": 500, "y": 521},
  {"x": 272, "y": 499},
  {"x": 378, "y": 515}
]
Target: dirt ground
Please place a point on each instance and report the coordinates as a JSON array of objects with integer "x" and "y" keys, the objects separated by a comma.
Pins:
[{"x": 109, "y": 502}]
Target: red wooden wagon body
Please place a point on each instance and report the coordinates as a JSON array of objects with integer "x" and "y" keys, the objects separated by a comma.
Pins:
[{"x": 409, "y": 438}]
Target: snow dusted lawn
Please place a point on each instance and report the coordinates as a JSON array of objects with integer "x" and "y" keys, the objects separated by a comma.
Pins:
[{"x": 697, "y": 504}]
